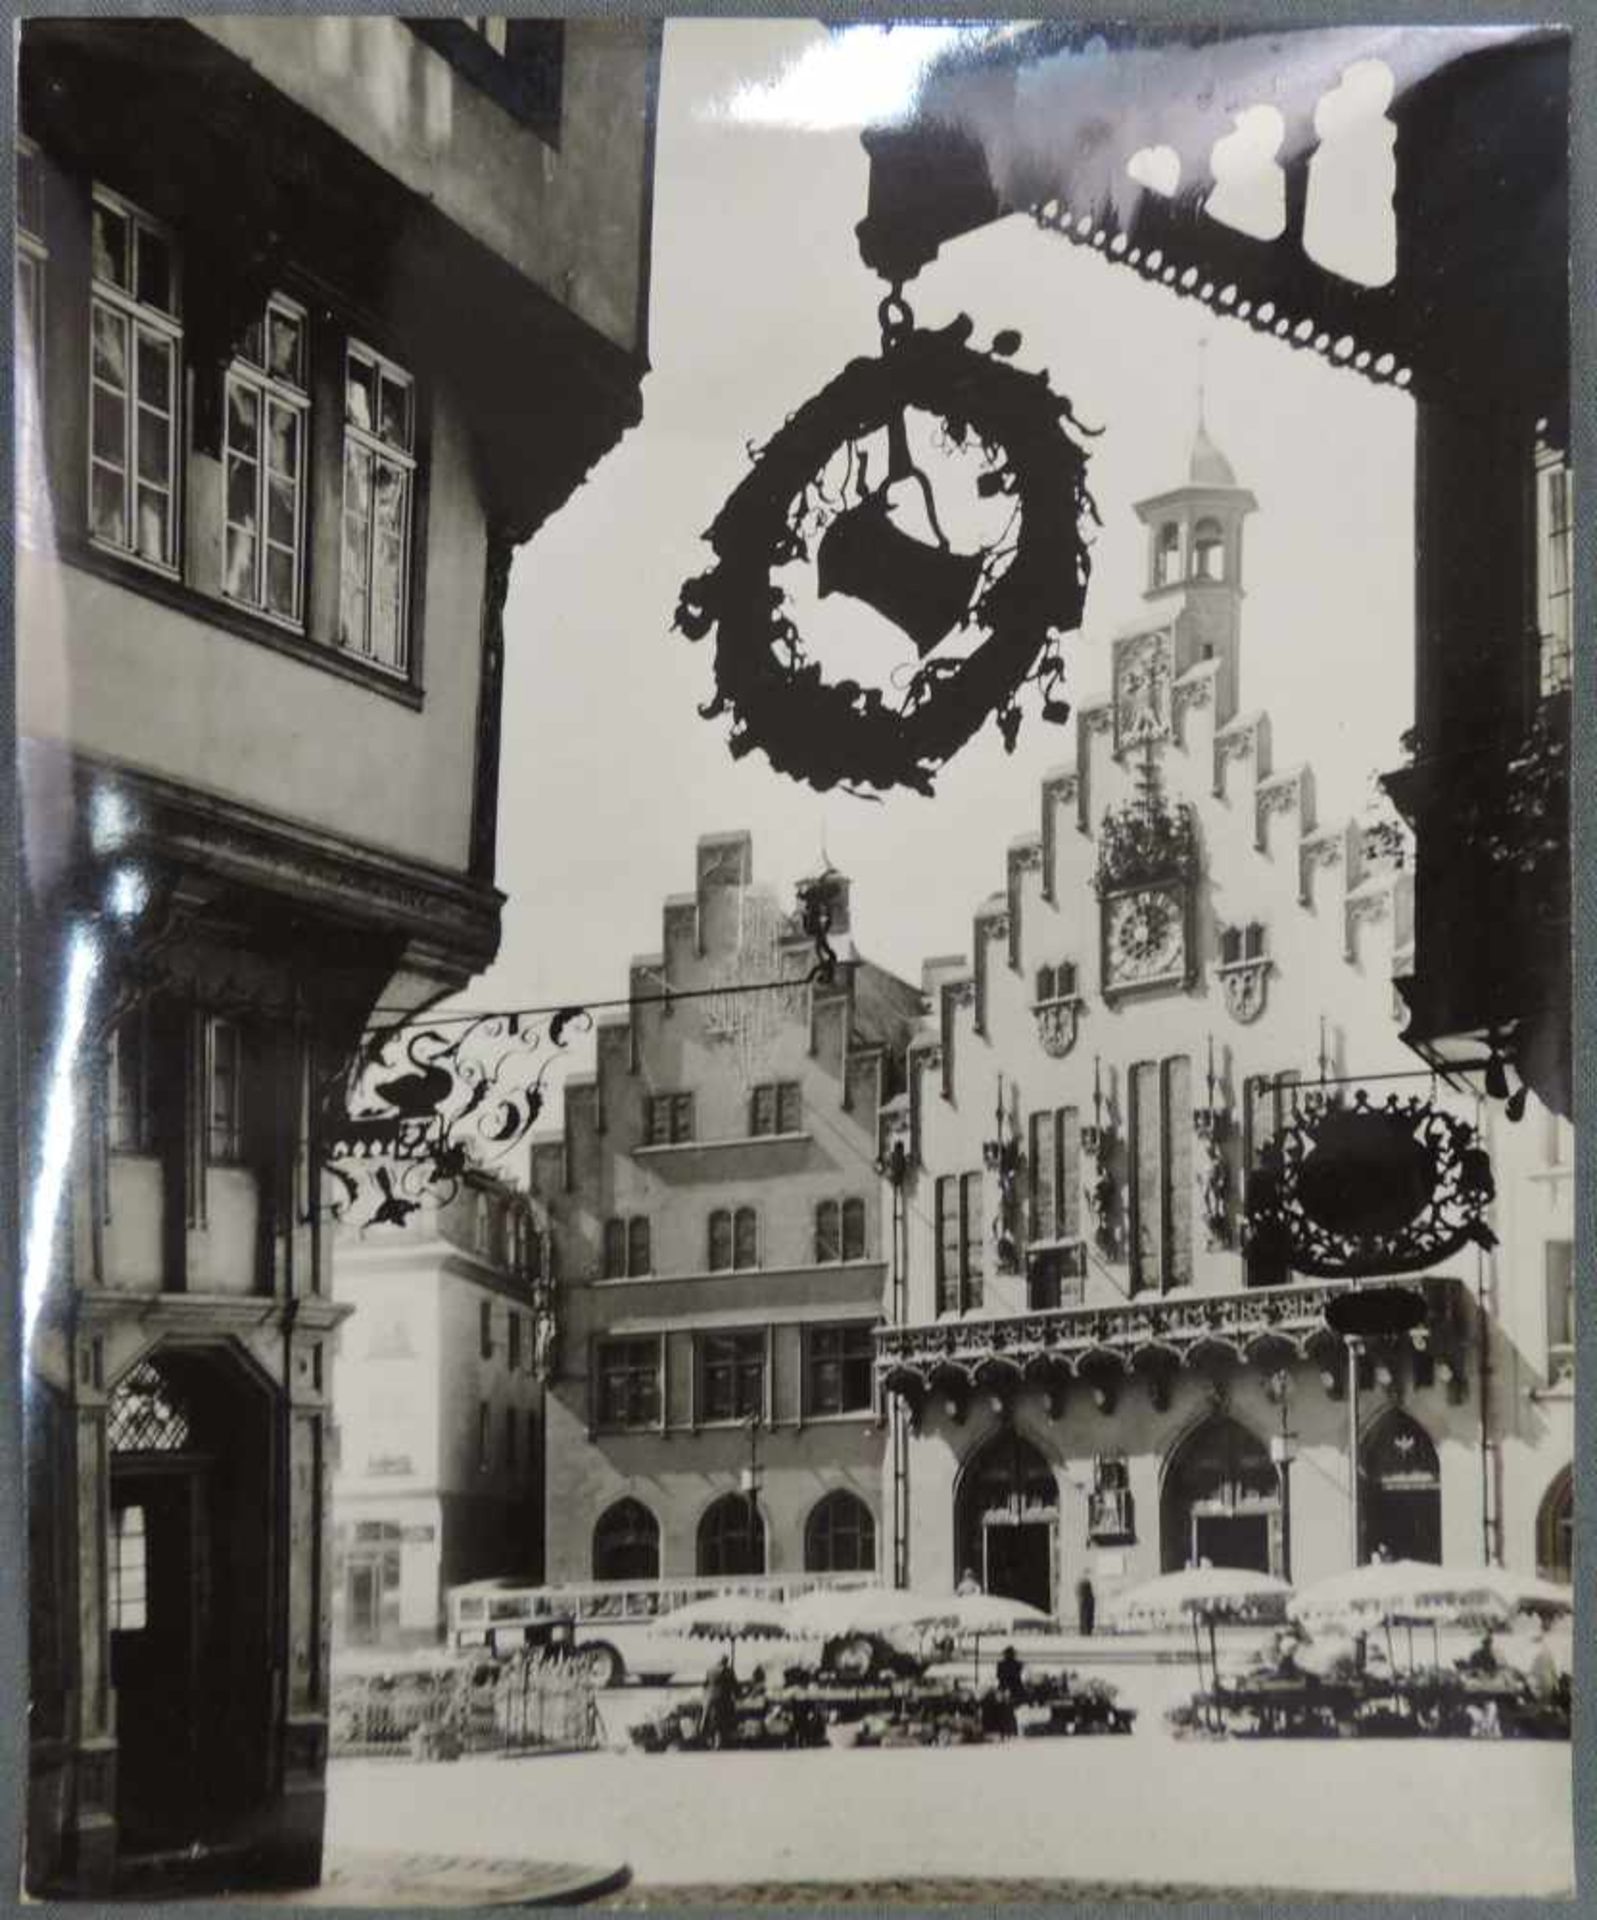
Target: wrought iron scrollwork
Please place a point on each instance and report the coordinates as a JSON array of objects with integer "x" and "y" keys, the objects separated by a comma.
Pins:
[
  {"x": 422, "y": 1104},
  {"x": 1360, "y": 1188}
]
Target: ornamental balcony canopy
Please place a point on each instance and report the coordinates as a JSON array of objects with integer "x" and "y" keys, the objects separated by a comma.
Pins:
[
  {"x": 1103, "y": 1348},
  {"x": 1194, "y": 156}
]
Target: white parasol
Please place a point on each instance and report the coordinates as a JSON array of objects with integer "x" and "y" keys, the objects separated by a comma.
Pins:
[
  {"x": 1412, "y": 1591},
  {"x": 828, "y": 1612},
  {"x": 726, "y": 1616},
  {"x": 1203, "y": 1593}
]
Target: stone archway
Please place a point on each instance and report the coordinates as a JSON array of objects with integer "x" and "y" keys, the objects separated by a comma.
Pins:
[
  {"x": 1555, "y": 1529},
  {"x": 190, "y": 1590},
  {"x": 1220, "y": 1501},
  {"x": 1006, "y": 1521},
  {"x": 1400, "y": 1509}
]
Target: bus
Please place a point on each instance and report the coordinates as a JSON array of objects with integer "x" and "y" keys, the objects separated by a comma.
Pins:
[{"x": 611, "y": 1620}]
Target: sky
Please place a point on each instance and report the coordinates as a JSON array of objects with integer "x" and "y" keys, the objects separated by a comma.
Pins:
[{"x": 609, "y": 774}]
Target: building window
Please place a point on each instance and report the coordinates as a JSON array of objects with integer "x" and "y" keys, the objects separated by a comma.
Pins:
[
  {"x": 1161, "y": 1174},
  {"x": 1167, "y": 554},
  {"x": 32, "y": 259},
  {"x": 1241, "y": 943},
  {"x": 959, "y": 1242},
  {"x": 1555, "y": 534},
  {"x": 516, "y": 62},
  {"x": 1208, "y": 551},
  {"x": 1053, "y": 1171},
  {"x": 731, "y": 1376},
  {"x": 839, "y": 1231},
  {"x": 513, "y": 1351},
  {"x": 1056, "y": 982},
  {"x": 485, "y": 1329},
  {"x": 670, "y": 1118},
  {"x": 135, "y": 348},
  {"x": 840, "y": 1536},
  {"x": 776, "y": 1108},
  {"x": 626, "y": 1543},
  {"x": 129, "y": 1571},
  {"x": 129, "y": 1115},
  {"x": 1560, "y": 1271},
  {"x": 626, "y": 1248},
  {"x": 838, "y": 1364},
  {"x": 731, "y": 1538},
  {"x": 510, "y": 1439},
  {"x": 629, "y": 1382},
  {"x": 734, "y": 1239},
  {"x": 266, "y": 418},
  {"x": 379, "y": 477},
  {"x": 225, "y": 1132},
  {"x": 483, "y": 1417}
]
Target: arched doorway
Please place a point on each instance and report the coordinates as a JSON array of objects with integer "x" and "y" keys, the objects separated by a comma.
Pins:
[
  {"x": 840, "y": 1535},
  {"x": 626, "y": 1543},
  {"x": 189, "y": 1590},
  {"x": 1555, "y": 1529},
  {"x": 1401, "y": 1504},
  {"x": 1221, "y": 1501},
  {"x": 731, "y": 1537},
  {"x": 1006, "y": 1521}
]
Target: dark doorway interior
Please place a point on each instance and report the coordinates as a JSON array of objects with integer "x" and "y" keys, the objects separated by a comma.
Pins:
[
  {"x": 190, "y": 1576},
  {"x": 1020, "y": 1562},
  {"x": 1221, "y": 1501}
]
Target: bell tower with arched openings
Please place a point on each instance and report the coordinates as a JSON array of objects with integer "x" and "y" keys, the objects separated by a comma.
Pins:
[{"x": 1195, "y": 562}]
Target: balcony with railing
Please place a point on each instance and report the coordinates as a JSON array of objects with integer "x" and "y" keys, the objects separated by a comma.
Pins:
[{"x": 1150, "y": 1342}]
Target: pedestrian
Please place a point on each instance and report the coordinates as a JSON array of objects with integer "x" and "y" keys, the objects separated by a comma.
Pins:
[
  {"x": 968, "y": 1584},
  {"x": 1010, "y": 1674},
  {"x": 1086, "y": 1607},
  {"x": 719, "y": 1725}
]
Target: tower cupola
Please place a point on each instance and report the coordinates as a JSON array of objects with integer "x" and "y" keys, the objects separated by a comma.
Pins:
[{"x": 1195, "y": 560}]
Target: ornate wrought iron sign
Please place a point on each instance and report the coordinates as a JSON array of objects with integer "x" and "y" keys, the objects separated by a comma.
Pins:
[
  {"x": 421, "y": 1104},
  {"x": 1354, "y": 1188},
  {"x": 1023, "y": 591}
]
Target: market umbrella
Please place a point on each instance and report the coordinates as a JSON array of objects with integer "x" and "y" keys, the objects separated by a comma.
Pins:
[
  {"x": 726, "y": 1616},
  {"x": 827, "y": 1612},
  {"x": 1528, "y": 1593},
  {"x": 1406, "y": 1590},
  {"x": 980, "y": 1616},
  {"x": 1204, "y": 1593}
]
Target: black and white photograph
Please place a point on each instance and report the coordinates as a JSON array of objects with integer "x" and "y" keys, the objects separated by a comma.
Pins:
[{"x": 795, "y": 960}]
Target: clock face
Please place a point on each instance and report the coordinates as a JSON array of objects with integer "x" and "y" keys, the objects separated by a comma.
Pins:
[{"x": 1145, "y": 937}]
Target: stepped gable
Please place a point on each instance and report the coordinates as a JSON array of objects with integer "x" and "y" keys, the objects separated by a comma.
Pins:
[
  {"x": 1176, "y": 677},
  {"x": 859, "y": 1026}
]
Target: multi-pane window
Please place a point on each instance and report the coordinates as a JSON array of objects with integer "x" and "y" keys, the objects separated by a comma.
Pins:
[
  {"x": 485, "y": 1329},
  {"x": 959, "y": 1242},
  {"x": 267, "y": 415},
  {"x": 628, "y": 1373},
  {"x": 837, "y": 1370},
  {"x": 128, "y": 1116},
  {"x": 1555, "y": 529},
  {"x": 840, "y": 1536},
  {"x": 1560, "y": 1257},
  {"x": 1161, "y": 1174},
  {"x": 731, "y": 1376},
  {"x": 626, "y": 1247},
  {"x": 670, "y": 1118},
  {"x": 1241, "y": 943},
  {"x": 134, "y": 360},
  {"x": 379, "y": 476},
  {"x": 839, "y": 1230},
  {"x": 1269, "y": 1101},
  {"x": 776, "y": 1108},
  {"x": 225, "y": 1130},
  {"x": 129, "y": 1571},
  {"x": 1053, "y": 1170},
  {"x": 32, "y": 257},
  {"x": 1057, "y": 982},
  {"x": 734, "y": 1239}
]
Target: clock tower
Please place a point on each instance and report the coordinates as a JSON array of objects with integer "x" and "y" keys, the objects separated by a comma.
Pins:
[{"x": 1195, "y": 563}]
